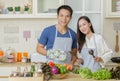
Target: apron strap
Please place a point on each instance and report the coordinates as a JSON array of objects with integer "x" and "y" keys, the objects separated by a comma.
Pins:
[
  {"x": 67, "y": 30},
  {"x": 95, "y": 45}
]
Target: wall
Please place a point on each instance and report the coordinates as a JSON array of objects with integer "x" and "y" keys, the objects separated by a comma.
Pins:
[
  {"x": 35, "y": 25},
  {"x": 11, "y": 32},
  {"x": 108, "y": 31}
]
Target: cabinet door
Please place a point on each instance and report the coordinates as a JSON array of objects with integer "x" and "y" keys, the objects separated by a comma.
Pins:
[
  {"x": 47, "y": 8},
  {"x": 90, "y": 8},
  {"x": 112, "y": 8},
  {"x": 5, "y": 71}
]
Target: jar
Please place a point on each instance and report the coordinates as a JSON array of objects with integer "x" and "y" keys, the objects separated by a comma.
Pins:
[
  {"x": 10, "y": 58},
  {"x": 10, "y": 53},
  {"x": 1, "y": 53}
]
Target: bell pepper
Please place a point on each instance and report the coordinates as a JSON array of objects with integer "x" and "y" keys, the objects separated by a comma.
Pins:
[{"x": 63, "y": 70}]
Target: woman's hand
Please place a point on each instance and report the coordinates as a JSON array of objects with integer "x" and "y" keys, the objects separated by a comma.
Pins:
[
  {"x": 70, "y": 67},
  {"x": 98, "y": 59},
  {"x": 79, "y": 61}
]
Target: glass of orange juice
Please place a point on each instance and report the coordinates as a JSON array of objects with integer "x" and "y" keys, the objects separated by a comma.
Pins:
[
  {"x": 19, "y": 56},
  {"x": 25, "y": 54},
  {"x": 1, "y": 52}
]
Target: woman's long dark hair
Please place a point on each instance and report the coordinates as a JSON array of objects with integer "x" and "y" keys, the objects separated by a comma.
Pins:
[{"x": 80, "y": 35}]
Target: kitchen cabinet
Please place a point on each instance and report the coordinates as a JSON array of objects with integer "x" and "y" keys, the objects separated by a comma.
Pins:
[
  {"x": 91, "y": 8},
  {"x": 7, "y": 68},
  {"x": 112, "y": 8},
  {"x": 37, "y": 8}
]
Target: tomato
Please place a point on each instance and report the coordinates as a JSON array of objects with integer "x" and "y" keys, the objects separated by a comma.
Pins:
[{"x": 51, "y": 64}]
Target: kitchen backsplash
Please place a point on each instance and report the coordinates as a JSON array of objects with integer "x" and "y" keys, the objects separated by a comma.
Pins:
[{"x": 22, "y": 34}]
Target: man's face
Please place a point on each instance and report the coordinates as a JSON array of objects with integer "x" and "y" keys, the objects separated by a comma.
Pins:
[{"x": 63, "y": 17}]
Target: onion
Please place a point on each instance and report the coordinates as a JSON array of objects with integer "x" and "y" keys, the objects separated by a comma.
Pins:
[{"x": 54, "y": 70}]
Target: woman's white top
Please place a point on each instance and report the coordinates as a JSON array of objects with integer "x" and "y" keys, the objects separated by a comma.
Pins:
[{"x": 103, "y": 50}]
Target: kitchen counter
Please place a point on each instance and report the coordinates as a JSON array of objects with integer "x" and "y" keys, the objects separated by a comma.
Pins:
[
  {"x": 6, "y": 69},
  {"x": 27, "y": 64},
  {"x": 76, "y": 77},
  {"x": 69, "y": 77},
  {"x": 14, "y": 64}
]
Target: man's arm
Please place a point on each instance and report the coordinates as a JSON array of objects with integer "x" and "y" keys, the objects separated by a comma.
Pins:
[{"x": 40, "y": 49}]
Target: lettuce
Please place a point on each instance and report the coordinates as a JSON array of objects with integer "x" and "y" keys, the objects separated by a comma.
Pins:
[{"x": 85, "y": 73}]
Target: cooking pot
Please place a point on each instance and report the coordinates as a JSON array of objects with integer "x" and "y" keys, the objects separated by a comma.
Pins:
[{"x": 115, "y": 59}]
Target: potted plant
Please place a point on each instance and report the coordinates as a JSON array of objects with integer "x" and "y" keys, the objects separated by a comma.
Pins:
[
  {"x": 10, "y": 10},
  {"x": 26, "y": 8},
  {"x": 17, "y": 9}
]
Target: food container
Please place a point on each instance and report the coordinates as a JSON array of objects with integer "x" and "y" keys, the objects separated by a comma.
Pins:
[
  {"x": 10, "y": 53},
  {"x": 10, "y": 58}
]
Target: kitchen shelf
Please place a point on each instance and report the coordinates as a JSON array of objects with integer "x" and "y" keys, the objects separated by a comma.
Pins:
[{"x": 38, "y": 8}]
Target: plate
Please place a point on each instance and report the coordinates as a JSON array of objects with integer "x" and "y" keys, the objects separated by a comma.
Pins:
[
  {"x": 115, "y": 59},
  {"x": 59, "y": 76}
]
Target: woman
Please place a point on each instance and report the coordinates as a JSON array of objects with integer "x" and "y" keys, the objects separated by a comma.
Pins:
[{"x": 91, "y": 43}]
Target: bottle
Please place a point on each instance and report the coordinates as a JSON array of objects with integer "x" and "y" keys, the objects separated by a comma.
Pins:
[
  {"x": 32, "y": 70},
  {"x": 25, "y": 72},
  {"x": 18, "y": 71}
]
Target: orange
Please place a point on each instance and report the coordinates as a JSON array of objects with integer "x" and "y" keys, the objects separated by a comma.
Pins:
[
  {"x": 65, "y": 65},
  {"x": 1, "y": 53},
  {"x": 68, "y": 68}
]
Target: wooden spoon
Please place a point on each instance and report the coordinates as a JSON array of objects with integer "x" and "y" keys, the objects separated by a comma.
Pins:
[
  {"x": 91, "y": 52},
  {"x": 116, "y": 46}
]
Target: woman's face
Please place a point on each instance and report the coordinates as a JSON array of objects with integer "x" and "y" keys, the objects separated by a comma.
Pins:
[{"x": 84, "y": 26}]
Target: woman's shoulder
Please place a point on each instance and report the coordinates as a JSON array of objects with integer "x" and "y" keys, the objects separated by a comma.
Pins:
[{"x": 98, "y": 36}]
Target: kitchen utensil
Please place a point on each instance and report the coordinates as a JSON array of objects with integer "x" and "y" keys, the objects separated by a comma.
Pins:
[
  {"x": 117, "y": 45},
  {"x": 116, "y": 28},
  {"x": 91, "y": 52},
  {"x": 115, "y": 59}
]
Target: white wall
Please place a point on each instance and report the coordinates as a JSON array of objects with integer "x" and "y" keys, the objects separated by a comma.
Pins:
[
  {"x": 14, "y": 38},
  {"x": 109, "y": 33}
]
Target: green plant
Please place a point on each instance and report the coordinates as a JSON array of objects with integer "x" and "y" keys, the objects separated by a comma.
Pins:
[
  {"x": 17, "y": 8},
  {"x": 26, "y": 8},
  {"x": 10, "y": 8}
]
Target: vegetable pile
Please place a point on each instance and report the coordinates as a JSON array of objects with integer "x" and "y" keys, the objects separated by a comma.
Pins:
[
  {"x": 102, "y": 74},
  {"x": 115, "y": 73},
  {"x": 49, "y": 69}
]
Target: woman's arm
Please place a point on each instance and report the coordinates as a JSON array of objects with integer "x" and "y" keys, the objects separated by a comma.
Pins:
[{"x": 104, "y": 52}]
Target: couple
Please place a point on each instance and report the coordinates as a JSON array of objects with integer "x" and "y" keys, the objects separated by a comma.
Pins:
[{"x": 60, "y": 36}]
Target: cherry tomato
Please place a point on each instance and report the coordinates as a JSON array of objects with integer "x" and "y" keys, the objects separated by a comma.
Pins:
[{"x": 51, "y": 64}]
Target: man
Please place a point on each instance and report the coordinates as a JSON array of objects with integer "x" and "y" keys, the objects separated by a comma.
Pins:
[{"x": 60, "y": 36}]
